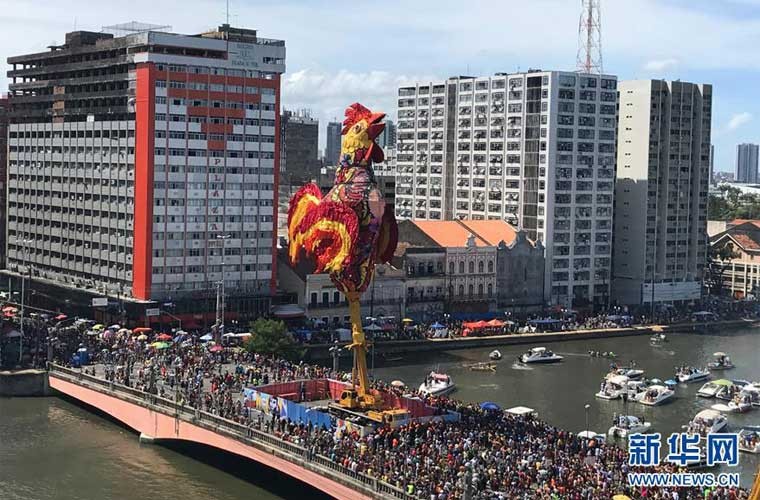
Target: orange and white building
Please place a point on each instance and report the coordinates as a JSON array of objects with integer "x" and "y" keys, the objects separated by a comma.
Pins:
[{"x": 145, "y": 166}]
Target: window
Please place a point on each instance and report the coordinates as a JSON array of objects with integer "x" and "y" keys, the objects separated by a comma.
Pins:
[
  {"x": 471, "y": 267},
  {"x": 480, "y": 267},
  {"x": 336, "y": 297},
  {"x": 480, "y": 290},
  {"x": 490, "y": 290},
  {"x": 313, "y": 298},
  {"x": 451, "y": 268},
  {"x": 470, "y": 290},
  {"x": 461, "y": 268},
  {"x": 325, "y": 298},
  {"x": 490, "y": 270}
]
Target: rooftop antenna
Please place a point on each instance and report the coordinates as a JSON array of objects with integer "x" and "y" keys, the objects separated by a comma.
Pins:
[{"x": 589, "y": 58}]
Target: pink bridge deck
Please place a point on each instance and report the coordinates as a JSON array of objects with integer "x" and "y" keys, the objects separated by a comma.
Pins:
[{"x": 161, "y": 426}]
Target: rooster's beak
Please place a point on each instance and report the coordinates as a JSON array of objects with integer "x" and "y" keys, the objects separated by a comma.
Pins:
[{"x": 375, "y": 127}]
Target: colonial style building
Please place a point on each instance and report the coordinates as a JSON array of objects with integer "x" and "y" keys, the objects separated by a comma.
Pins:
[{"x": 739, "y": 273}]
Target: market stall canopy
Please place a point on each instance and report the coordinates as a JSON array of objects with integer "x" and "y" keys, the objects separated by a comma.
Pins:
[
  {"x": 437, "y": 326},
  {"x": 373, "y": 328},
  {"x": 408, "y": 320},
  {"x": 286, "y": 311},
  {"x": 495, "y": 323},
  {"x": 207, "y": 337}
]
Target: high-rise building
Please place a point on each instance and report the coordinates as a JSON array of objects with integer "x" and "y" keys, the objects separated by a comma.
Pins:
[
  {"x": 663, "y": 167},
  {"x": 746, "y": 163},
  {"x": 301, "y": 147},
  {"x": 536, "y": 149},
  {"x": 3, "y": 173},
  {"x": 332, "y": 150},
  {"x": 712, "y": 164},
  {"x": 146, "y": 165},
  {"x": 387, "y": 139}
]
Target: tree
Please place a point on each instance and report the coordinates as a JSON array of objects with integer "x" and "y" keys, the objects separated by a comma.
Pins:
[
  {"x": 271, "y": 337},
  {"x": 730, "y": 203},
  {"x": 718, "y": 259}
]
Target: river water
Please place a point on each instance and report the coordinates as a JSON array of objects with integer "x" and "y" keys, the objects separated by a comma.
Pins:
[{"x": 52, "y": 449}]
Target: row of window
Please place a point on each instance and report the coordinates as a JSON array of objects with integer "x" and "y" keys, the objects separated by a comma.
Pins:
[
  {"x": 218, "y": 104},
  {"x": 71, "y": 134},
  {"x": 218, "y": 120},
  {"x": 215, "y": 87},
  {"x": 206, "y": 169},
  {"x": 201, "y": 269},
  {"x": 195, "y": 235},
  {"x": 214, "y": 203},
  {"x": 213, "y": 153},
  {"x": 214, "y": 70},
  {"x": 211, "y": 251},
  {"x": 201, "y": 136},
  {"x": 229, "y": 186}
]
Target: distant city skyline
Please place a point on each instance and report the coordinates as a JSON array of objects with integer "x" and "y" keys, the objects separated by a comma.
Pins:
[{"x": 328, "y": 65}]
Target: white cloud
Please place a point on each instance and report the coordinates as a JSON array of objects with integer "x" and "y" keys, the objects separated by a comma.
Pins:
[
  {"x": 739, "y": 119},
  {"x": 660, "y": 65}
]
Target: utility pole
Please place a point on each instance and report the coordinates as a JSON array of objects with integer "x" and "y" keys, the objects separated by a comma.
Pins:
[
  {"x": 220, "y": 307},
  {"x": 23, "y": 265}
]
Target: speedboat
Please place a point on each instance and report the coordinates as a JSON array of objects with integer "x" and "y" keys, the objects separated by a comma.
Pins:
[
  {"x": 630, "y": 372},
  {"x": 613, "y": 387},
  {"x": 711, "y": 388},
  {"x": 749, "y": 441},
  {"x": 540, "y": 355},
  {"x": 752, "y": 392},
  {"x": 654, "y": 395},
  {"x": 689, "y": 374},
  {"x": 628, "y": 424},
  {"x": 437, "y": 384},
  {"x": 494, "y": 355},
  {"x": 707, "y": 422},
  {"x": 736, "y": 405},
  {"x": 722, "y": 362},
  {"x": 658, "y": 339}
]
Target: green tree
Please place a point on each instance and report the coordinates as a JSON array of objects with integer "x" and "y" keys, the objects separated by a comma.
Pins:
[
  {"x": 718, "y": 260},
  {"x": 272, "y": 337},
  {"x": 730, "y": 203}
]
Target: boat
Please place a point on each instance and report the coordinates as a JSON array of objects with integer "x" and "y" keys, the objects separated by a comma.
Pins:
[
  {"x": 483, "y": 367},
  {"x": 752, "y": 392},
  {"x": 707, "y": 422},
  {"x": 688, "y": 374},
  {"x": 437, "y": 384},
  {"x": 494, "y": 355},
  {"x": 737, "y": 405},
  {"x": 722, "y": 362},
  {"x": 613, "y": 387},
  {"x": 630, "y": 371},
  {"x": 749, "y": 441},
  {"x": 654, "y": 395},
  {"x": 711, "y": 388},
  {"x": 605, "y": 354},
  {"x": 540, "y": 355},
  {"x": 628, "y": 424},
  {"x": 658, "y": 339}
]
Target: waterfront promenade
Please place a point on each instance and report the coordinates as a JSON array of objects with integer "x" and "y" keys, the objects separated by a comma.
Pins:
[{"x": 160, "y": 419}]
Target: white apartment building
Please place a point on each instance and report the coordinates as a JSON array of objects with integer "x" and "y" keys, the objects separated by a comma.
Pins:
[
  {"x": 536, "y": 149},
  {"x": 663, "y": 174}
]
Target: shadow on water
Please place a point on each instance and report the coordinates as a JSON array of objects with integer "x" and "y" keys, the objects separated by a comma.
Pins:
[{"x": 255, "y": 473}]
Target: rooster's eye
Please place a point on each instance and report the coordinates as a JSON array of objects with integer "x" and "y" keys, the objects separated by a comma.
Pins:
[{"x": 357, "y": 127}]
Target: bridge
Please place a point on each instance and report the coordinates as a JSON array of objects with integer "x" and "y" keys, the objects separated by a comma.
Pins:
[{"x": 159, "y": 419}]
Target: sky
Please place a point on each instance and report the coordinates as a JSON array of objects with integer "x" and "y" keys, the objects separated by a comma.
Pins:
[{"x": 339, "y": 52}]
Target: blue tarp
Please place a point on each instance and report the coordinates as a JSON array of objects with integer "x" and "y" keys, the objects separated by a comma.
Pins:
[
  {"x": 437, "y": 326},
  {"x": 489, "y": 405},
  {"x": 290, "y": 410}
]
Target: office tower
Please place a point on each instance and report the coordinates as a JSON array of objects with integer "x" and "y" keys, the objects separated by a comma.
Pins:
[
  {"x": 387, "y": 139},
  {"x": 332, "y": 150},
  {"x": 301, "y": 146},
  {"x": 536, "y": 149},
  {"x": 3, "y": 173},
  {"x": 746, "y": 163},
  {"x": 663, "y": 167},
  {"x": 145, "y": 164}
]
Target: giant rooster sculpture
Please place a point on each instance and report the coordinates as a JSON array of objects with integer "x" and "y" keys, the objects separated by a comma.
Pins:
[{"x": 351, "y": 228}]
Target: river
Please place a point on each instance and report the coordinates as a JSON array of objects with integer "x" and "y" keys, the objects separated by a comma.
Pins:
[
  {"x": 52, "y": 449},
  {"x": 560, "y": 391}
]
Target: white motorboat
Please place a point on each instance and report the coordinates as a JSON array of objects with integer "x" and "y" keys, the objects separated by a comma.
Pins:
[
  {"x": 749, "y": 441},
  {"x": 613, "y": 387},
  {"x": 707, "y": 422},
  {"x": 733, "y": 406},
  {"x": 658, "y": 339},
  {"x": 690, "y": 374},
  {"x": 711, "y": 388},
  {"x": 540, "y": 355},
  {"x": 630, "y": 371},
  {"x": 628, "y": 424},
  {"x": 437, "y": 384},
  {"x": 654, "y": 395},
  {"x": 722, "y": 362},
  {"x": 752, "y": 392},
  {"x": 494, "y": 355}
]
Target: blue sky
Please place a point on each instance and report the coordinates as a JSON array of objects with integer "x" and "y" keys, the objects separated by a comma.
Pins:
[{"x": 343, "y": 51}]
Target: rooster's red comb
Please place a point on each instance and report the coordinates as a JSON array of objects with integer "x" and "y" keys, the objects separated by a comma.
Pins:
[{"x": 354, "y": 114}]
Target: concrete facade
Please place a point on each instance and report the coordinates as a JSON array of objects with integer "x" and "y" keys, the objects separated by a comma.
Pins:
[
  {"x": 301, "y": 147},
  {"x": 746, "y": 163},
  {"x": 332, "y": 149},
  {"x": 536, "y": 149},
  {"x": 519, "y": 275},
  {"x": 663, "y": 169}
]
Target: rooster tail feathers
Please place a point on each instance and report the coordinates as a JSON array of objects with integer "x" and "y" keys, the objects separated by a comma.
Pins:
[
  {"x": 388, "y": 238},
  {"x": 329, "y": 232},
  {"x": 304, "y": 201}
]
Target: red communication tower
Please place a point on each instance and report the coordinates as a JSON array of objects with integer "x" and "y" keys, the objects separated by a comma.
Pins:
[{"x": 589, "y": 58}]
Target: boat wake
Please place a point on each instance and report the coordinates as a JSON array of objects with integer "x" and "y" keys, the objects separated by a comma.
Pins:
[
  {"x": 489, "y": 386},
  {"x": 520, "y": 366}
]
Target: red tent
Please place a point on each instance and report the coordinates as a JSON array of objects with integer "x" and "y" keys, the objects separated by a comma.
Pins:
[
  {"x": 164, "y": 337},
  {"x": 495, "y": 323}
]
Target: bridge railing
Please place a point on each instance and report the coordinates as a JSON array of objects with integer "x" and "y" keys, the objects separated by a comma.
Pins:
[{"x": 294, "y": 452}]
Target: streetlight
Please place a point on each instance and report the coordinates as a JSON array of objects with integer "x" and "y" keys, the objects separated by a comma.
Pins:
[
  {"x": 24, "y": 250},
  {"x": 220, "y": 306},
  {"x": 586, "y": 409}
]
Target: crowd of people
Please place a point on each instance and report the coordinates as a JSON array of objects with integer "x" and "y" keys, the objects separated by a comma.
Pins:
[{"x": 490, "y": 453}]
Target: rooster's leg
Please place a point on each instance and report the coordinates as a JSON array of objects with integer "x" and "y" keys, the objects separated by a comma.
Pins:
[{"x": 359, "y": 377}]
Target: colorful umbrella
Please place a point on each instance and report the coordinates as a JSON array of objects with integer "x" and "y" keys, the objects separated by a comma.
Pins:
[
  {"x": 61, "y": 317},
  {"x": 216, "y": 348},
  {"x": 99, "y": 326},
  {"x": 159, "y": 345},
  {"x": 164, "y": 337},
  {"x": 142, "y": 337}
]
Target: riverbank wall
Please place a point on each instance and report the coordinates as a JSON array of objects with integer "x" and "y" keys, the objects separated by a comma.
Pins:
[
  {"x": 24, "y": 383},
  {"x": 321, "y": 352}
]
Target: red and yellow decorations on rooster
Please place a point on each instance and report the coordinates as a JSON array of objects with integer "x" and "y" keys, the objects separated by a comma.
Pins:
[{"x": 350, "y": 229}]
